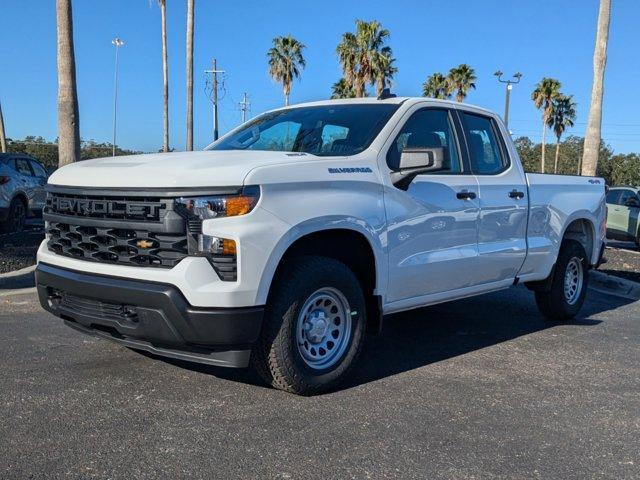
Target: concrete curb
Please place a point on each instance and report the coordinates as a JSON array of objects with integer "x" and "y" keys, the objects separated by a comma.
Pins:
[
  {"x": 18, "y": 279},
  {"x": 621, "y": 287}
]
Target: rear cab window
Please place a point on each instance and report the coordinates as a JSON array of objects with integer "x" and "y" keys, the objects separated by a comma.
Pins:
[{"x": 486, "y": 154}]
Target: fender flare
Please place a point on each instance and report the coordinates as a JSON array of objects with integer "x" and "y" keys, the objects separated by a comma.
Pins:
[{"x": 320, "y": 224}]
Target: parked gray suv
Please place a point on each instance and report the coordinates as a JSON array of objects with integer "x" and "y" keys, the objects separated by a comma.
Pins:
[{"x": 22, "y": 194}]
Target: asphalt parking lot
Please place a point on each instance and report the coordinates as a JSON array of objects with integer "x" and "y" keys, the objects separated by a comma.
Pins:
[{"x": 479, "y": 388}]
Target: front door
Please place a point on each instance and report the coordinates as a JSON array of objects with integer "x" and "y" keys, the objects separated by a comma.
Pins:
[{"x": 432, "y": 225}]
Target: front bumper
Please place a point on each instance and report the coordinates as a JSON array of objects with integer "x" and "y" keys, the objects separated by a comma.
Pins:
[{"x": 149, "y": 316}]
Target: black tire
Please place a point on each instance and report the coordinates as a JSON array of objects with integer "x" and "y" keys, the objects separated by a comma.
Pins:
[
  {"x": 16, "y": 217},
  {"x": 554, "y": 304},
  {"x": 276, "y": 356}
]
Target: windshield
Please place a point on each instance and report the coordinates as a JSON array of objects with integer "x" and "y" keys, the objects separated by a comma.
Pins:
[{"x": 323, "y": 130}]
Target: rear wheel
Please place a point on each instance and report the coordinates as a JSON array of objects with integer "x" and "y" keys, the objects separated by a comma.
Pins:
[
  {"x": 16, "y": 217},
  {"x": 314, "y": 326},
  {"x": 569, "y": 284}
]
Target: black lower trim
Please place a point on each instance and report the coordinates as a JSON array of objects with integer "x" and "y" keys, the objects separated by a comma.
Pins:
[
  {"x": 4, "y": 213},
  {"x": 153, "y": 316}
]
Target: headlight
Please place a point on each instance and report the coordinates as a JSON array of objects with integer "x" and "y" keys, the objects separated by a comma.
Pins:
[
  {"x": 206, "y": 208},
  {"x": 221, "y": 252}
]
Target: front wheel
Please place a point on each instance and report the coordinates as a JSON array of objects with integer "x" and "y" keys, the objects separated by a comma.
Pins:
[
  {"x": 564, "y": 299},
  {"x": 313, "y": 328}
]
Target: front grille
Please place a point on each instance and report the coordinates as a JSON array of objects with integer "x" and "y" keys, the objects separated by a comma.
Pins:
[
  {"x": 136, "y": 231},
  {"x": 116, "y": 245}
]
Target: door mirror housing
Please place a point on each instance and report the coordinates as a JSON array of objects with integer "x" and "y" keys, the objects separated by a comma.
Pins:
[{"x": 414, "y": 161}]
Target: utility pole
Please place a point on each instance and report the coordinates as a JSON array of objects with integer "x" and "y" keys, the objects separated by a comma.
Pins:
[
  {"x": 245, "y": 106},
  {"x": 117, "y": 43},
  {"x": 510, "y": 82},
  {"x": 214, "y": 72}
]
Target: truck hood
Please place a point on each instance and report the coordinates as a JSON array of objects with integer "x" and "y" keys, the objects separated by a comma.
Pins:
[{"x": 179, "y": 169}]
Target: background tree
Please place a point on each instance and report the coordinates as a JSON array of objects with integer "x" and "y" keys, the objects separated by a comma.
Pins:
[
  {"x": 461, "y": 79},
  {"x": 165, "y": 74},
  {"x": 286, "y": 62},
  {"x": 364, "y": 57},
  {"x": 594, "y": 124},
  {"x": 68, "y": 114},
  {"x": 436, "y": 86},
  {"x": 3, "y": 138},
  {"x": 384, "y": 69},
  {"x": 342, "y": 89},
  {"x": 563, "y": 114},
  {"x": 190, "y": 21},
  {"x": 545, "y": 92}
]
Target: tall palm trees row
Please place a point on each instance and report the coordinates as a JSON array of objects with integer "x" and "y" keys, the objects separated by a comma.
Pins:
[
  {"x": 460, "y": 80},
  {"x": 365, "y": 59},
  {"x": 558, "y": 112}
]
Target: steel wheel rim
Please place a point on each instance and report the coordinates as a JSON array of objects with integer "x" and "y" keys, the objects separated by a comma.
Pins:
[
  {"x": 323, "y": 328},
  {"x": 573, "y": 280}
]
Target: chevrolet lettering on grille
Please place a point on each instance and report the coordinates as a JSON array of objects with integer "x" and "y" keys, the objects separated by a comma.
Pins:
[{"x": 104, "y": 207}]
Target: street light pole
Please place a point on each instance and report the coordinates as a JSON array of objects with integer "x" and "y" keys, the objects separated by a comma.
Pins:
[
  {"x": 117, "y": 43},
  {"x": 510, "y": 82}
]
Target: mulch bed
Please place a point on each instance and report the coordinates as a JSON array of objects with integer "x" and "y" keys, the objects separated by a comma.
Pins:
[
  {"x": 18, "y": 250},
  {"x": 622, "y": 262}
]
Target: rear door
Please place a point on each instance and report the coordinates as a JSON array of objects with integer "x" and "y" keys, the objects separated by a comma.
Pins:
[
  {"x": 39, "y": 180},
  {"x": 502, "y": 226},
  {"x": 26, "y": 179}
]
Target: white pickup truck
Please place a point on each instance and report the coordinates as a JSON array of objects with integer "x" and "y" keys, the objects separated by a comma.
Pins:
[{"x": 286, "y": 241}]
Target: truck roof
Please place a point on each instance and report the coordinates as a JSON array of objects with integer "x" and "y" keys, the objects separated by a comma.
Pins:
[{"x": 392, "y": 100}]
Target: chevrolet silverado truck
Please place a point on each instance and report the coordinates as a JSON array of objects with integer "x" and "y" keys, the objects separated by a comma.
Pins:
[{"x": 285, "y": 242}]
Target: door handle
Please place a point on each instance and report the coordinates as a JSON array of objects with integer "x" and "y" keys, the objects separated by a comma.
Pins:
[
  {"x": 516, "y": 194},
  {"x": 466, "y": 195}
]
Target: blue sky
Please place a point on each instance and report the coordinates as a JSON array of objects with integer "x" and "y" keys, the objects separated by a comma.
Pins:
[{"x": 537, "y": 37}]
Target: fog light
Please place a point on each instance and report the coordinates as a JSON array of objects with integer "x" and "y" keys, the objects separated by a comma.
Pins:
[{"x": 216, "y": 245}]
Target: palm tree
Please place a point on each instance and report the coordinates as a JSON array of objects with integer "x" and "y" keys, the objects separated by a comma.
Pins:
[
  {"x": 543, "y": 95},
  {"x": 364, "y": 57},
  {"x": 68, "y": 114},
  {"x": 593, "y": 135},
  {"x": 286, "y": 62},
  {"x": 165, "y": 74},
  {"x": 563, "y": 114},
  {"x": 190, "y": 21},
  {"x": 3, "y": 139},
  {"x": 436, "y": 86},
  {"x": 342, "y": 89},
  {"x": 384, "y": 69},
  {"x": 461, "y": 80}
]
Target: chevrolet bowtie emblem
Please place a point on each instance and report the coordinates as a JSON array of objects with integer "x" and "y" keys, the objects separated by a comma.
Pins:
[{"x": 144, "y": 244}]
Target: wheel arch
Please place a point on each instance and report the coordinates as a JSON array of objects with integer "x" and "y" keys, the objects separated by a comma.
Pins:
[
  {"x": 582, "y": 229},
  {"x": 349, "y": 242}
]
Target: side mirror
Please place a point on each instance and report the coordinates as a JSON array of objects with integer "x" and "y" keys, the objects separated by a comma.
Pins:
[{"x": 414, "y": 161}]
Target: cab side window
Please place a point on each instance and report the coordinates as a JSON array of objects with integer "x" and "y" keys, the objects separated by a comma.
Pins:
[
  {"x": 38, "y": 170},
  {"x": 484, "y": 150},
  {"x": 22, "y": 166},
  {"x": 613, "y": 196},
  {"x": 625, "y": 196},
  {"x": 428, "y": 128}
]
